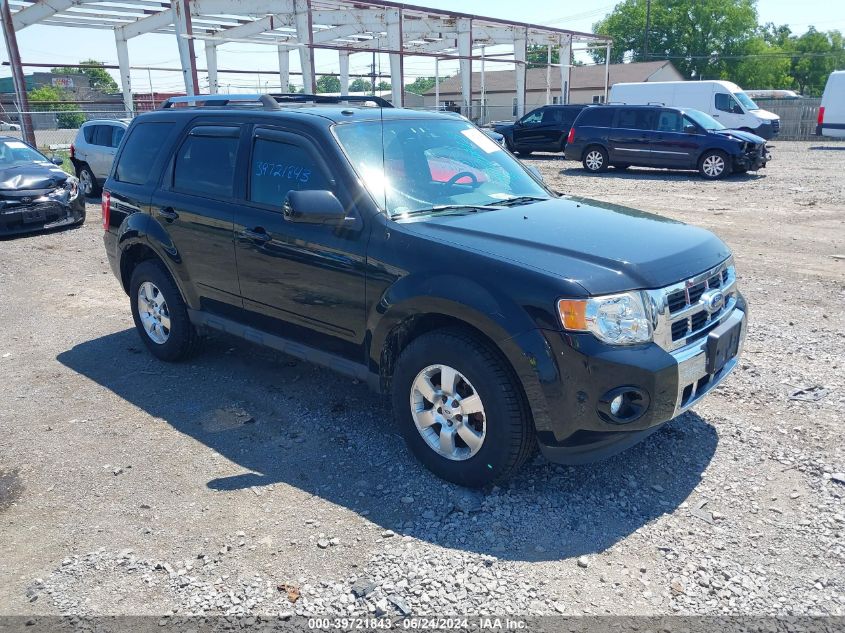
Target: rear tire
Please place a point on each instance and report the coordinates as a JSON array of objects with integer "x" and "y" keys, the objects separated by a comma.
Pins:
[
  {"x": 595, "y": 159},
  {"x": 160, "y": 313},
  {"x": 483, "y": 403},
  {"x": 87, "y": 182},
  {"x": 714, "y": 164}
]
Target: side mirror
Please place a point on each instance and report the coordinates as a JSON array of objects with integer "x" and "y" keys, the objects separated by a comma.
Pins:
[
  {"x": 690, "y": 129},
  {"x": 57, "y": 160},
  {"x": 534, "y": 172},
  {"x": 316, "y": 206}
]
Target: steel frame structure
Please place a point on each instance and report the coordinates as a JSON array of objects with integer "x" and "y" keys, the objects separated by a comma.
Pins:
[{"x": 346, "y": 26}]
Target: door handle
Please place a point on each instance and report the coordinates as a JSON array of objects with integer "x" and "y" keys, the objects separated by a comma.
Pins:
[
  {"x": 258, "y": 235},
  {"x": 168, "y": 214}
]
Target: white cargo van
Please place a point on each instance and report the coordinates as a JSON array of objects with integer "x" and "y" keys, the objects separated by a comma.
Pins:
[
  {"x": 832, "y": 110},
  {"x": 723, "y": 100}
]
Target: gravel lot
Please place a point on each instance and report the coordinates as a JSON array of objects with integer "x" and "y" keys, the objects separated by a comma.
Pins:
[{"x": 247, "y": 482}]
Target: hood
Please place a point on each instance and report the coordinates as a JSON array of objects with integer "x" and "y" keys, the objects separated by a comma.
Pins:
[
  {"x": 765, "y": 115},
  {"x": 748, "y": 137},
  {"x": 502, "y": 128},
  {"x": 603, "y": 247},
  {"x": 31, "y": 176}
]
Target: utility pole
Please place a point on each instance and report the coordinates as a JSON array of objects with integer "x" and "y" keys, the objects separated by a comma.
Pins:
[
  {"x": 18, "y": 78},
  {"x": 373, "y": 74},
  {"x": 647, "y": 29}
]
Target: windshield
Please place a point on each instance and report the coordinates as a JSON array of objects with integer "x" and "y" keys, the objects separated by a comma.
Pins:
[
  {"x": 704, "y": 120},
  {"x": 418, "y": 165},
  {"x": 17, "y": 152},
  {"x": 746, "y": 101}
]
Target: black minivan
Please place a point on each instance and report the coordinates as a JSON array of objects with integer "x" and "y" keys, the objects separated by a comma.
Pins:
[
  {"x": 659, "y": 136},
  {"x": 541, "y": 130}
]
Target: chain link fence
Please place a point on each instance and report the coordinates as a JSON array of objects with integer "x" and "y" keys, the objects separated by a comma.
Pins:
[{"x": 55, "y": 129}]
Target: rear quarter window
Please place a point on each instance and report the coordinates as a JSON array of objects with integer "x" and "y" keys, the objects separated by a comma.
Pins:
[
  {"x": 142, "y": 148},
  {"x": 88, "y": 133},
  {"x": 596, "y": 116}
]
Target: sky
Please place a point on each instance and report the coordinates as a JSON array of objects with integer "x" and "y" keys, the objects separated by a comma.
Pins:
[{"x": 45, "y": 44}]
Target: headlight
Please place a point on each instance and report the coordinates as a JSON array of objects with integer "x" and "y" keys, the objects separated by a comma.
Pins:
[
  {"x": 72, "y": 187},
  {"x": 615, "y": 319}
]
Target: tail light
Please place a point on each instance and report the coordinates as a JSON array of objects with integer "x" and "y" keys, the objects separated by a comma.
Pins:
[
  {"x": 571, "y": 136},
  {"x": 106, "y": 207},
  {"x": 72, "y": 151},
  {"x": 821, "y": 115}
]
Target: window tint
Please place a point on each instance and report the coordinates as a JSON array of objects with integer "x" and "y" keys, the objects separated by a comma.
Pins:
[
  {"x": 726, "y": 103},
  {"x": 279, "y": 167},
  {"x": 117, "y": 135},
  {"x": 533, "y": 117},
  {"x": 205, "y": 165},
  {"x": 142, "y": 147},
  {"x": 597, "y": 117},
  {"x": 102, "y": 135},
  {"x": 670, "y": 122},
  {"x": 88, "y": 133},
  {"x": 636, "y": 119}
]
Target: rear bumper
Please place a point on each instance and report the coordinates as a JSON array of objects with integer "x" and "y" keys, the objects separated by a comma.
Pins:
[
  {"x": 570, "y": 417},
  {"x": 40, "y": 216}
]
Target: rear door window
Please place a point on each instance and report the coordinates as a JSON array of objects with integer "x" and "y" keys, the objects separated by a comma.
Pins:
[
  {"x": 205, "y": 162},
  {"x": 102, "y": 135},
  {"x": 278, "y": 166},
  {"x": 636, "y": 119},
  {"x": 140, "y": 152},
  {"x": 88, "y": 133}
]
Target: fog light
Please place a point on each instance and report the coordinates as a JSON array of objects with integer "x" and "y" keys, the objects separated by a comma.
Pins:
[{"x": 616, "y": 404}]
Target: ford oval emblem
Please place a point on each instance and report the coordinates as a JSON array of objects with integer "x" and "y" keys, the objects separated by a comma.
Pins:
[{"x": 713, "y": 300}]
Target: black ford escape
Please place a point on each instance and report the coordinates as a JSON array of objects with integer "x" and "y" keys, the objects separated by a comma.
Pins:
[{"x": 407, "y": 249}]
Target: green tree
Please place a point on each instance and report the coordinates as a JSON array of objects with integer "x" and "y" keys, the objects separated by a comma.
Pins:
[
  {"x": 50, "y": 99},
  {"x": 360, "y": 84},
  {"x": 765, "y": 65},
  {"x": 816, "y": 55},
  {"x": 100, "y": 78},
  {"x": 328, "y": 83},
  {"x": 694, "y": 34},
  {"x": 538, "y": 56},
  {"x": 383, "y": 85},
  {"x": 421, "y": 85}
]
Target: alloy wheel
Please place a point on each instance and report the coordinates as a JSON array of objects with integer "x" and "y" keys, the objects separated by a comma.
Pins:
[
  {"x": 713, "y": 166},
  {"x": 153, "y": 311},
  {"x": 448, "y": 412},
  {"x": 594, "y": 160},
  {"x": 86, "y": 182}
]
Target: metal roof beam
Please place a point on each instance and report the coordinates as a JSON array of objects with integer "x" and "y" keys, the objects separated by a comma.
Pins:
[
  {"x": 149, "y": 24},
  {"x": 38, "y": 11}
]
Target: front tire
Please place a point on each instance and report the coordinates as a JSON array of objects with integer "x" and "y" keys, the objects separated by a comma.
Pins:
[
  {"x": 160, "y": 313},
  {"x": 595, "y": 159},
  {"x": 460, "y": 408},
  {"x": 714, "y": 165}
]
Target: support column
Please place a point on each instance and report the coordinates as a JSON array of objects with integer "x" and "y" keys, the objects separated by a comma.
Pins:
[
  {"x": 185, "y": 42},
  {"x": 343, "y": 59},
  {"x": 548, "y": 74},
  {"x": 519, "y": 40},
  {"x": 394, "y": 43},
  {"x": 18, "y": 79},
  {"x": 305, "y": 36},
  {"x": 125, "y": 78},
  {"x": 436, "y": 83},
  {"x": 465, "y": 62},
  {"x": 606, "y": 71},
  {"x": 284, "y": 68},
  {"x": 211, "y": 65},
  {"x": 565, "y": 66}
]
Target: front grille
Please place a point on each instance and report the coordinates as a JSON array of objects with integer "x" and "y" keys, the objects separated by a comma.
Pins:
[{"x": 683, "y": 314}]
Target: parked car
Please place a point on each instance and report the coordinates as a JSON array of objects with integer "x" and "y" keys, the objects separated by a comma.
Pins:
[
  {"x": 93, "y": 150},
  {"x": 831, "y": 120},
  {"x": 5, "y": 126},
  {"x": 34, "y": 193},
  {"x": 541, "y": 130},
  {"x": 722, "y": 100},
  {"x": 655, "y": 136},
  {"x": 496, "y": 314}
]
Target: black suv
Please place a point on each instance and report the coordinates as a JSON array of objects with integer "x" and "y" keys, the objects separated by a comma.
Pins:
[
  {"x": 659, "y": 136},
  {"x": 541, "y": 130},
  {"x": 407, "y": 249}
]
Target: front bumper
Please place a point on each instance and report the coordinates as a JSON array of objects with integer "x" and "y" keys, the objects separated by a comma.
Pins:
[
  {"x": 752, "y": 160},
  {"x": 574, "y": 430},
  {"x": 41, "y": 215}
]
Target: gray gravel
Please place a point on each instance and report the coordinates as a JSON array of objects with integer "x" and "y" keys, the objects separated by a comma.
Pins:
[{"x": 245, "y": 482}]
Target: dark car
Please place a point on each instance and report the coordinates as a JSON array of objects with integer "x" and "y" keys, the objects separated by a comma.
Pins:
[
  {"x": 541, "y": 130},
  {"x": 410, "y": 251},
  {"x": 34, "y": 193},
  {"x": 658, "y": 136}
]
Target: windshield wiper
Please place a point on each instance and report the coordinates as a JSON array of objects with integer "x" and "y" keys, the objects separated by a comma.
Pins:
[
  {"x": 449, "y": 207},
  {"x": 516, "y": 201}
]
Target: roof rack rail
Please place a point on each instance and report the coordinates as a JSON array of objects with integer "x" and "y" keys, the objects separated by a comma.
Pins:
[
  {"x": 265, "y": 101},
  {"x": 298, "y": 97}
]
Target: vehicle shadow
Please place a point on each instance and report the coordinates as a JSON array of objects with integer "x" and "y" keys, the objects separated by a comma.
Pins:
[
  {"x": 306, "y": 427},
  {"x": 829, "y": 148},
  {"x": 645, "y": 173}
]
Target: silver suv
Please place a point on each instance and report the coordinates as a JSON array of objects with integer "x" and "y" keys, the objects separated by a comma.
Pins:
[{"x": 93, "y": 150}]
